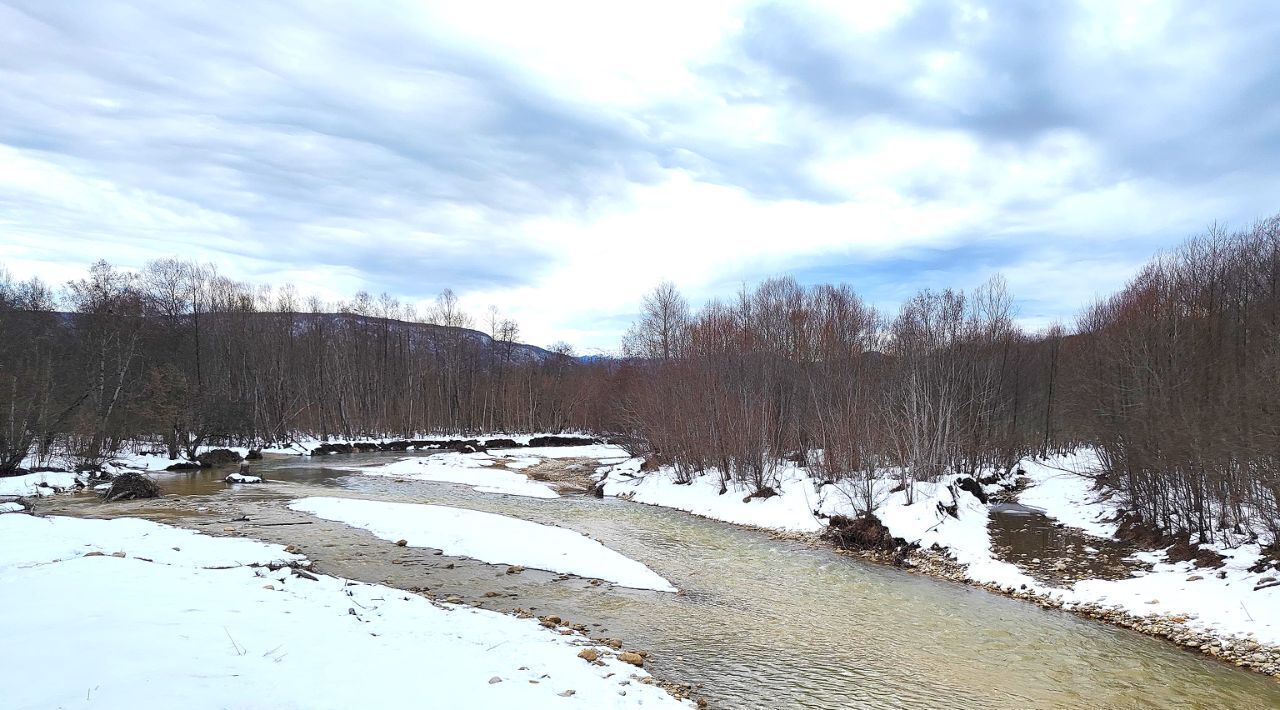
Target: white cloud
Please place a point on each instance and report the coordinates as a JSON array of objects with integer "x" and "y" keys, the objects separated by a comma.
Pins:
[{"x": 558, "y": 159}]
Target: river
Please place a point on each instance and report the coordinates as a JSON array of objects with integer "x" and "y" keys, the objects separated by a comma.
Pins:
[{"x": 762, "y": 623}]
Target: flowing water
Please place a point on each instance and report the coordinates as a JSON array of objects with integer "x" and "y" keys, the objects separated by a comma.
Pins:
[{"x": 763, "y": 623}]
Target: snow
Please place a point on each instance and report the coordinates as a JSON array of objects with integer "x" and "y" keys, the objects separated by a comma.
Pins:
[
  {"x": 1228, "y": 605},
  {"x": 488, "y": 537},
  {"x": 33, "y": 541},
  {"x": 187, "y": 632},
  {"x": 241, "y": 478},
  {"x": 790, "y": 511},
  {"x": 10, "y": 507},
  {"x": 588, "y": 451},
  {"x": 1063, "y": 489},
  {"x": 468, "y": 469},
  {"x": 30, "y": 484}
]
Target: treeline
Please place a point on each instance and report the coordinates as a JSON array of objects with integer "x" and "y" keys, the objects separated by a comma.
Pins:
[
  {"x": 1174, "y": 380},
  {"x": 181, "y": 356},
  {"x": 815, "y": 375}
]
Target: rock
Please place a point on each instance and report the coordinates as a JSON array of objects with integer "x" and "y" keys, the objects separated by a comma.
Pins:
[
  {"x": 562, "y": 441},
  {"x": 118, "y": 554},
  {"x": 293, "y": 549},
  {"x": 589, "y": 654},
  {"x": 491, "y": 594},
  {"x": 567, "y": 693},
  {"x": 1194, "y": 578},
  {"x": 95, "y": 553},
  {"x": 515, "y": 569},
  {"x": 551, "y": 619},
  {"x": 494, "y": 679},
  {"x": 254, "y": 455},
  {"x": 973, "y": 488},
  {"x": 614, "y": 643},
  {"x": 453, "y": 599},
  {"x": 401, "y": 543},
  {"x": 219, "y": 457},
  {"x": 631, "y": 657},
  {"x": 183, "y": 466}
]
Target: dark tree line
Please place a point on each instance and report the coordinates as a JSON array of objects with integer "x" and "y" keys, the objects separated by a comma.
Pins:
[
  {"x": 178, "y": 356},
  {"x": 1174, "y": 380}
]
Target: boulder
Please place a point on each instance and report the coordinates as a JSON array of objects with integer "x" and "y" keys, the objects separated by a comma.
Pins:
[
  {"x": 183, "y": 466},
  {"x": 562, "y": 441},
  {"x": 219, "y": 457},
  {"x": 631, "y": 657},
  {"x": 973, "y": 488}
]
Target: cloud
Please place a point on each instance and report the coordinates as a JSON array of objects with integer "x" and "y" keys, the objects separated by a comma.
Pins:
[{"x": 557, "y": 159}]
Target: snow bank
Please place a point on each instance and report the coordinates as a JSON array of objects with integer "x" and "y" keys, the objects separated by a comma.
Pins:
[
  {"x": 792, "y": 510},
  {"x": 31, "y": 541},
  {"x": 10, "y": 507},
  {"x": 467, "y": 469},
  {"x": 183, "y": 635},
  {"x": 496, "y": 539},
  {"x": 37, "y": 484}
]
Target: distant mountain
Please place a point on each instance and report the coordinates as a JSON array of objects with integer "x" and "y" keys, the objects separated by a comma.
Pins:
[
  {"x": 419, "y": 333},
  {"x": 431, "y": 333}
]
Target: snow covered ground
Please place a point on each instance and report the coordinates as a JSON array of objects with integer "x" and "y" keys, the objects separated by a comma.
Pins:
[
  {"x": 1221, "y": 602},
  {"x": 37, "y": 484},
  {"x": 496, "y": 539},
  {"x": 475, "y": 470},
  {"x": 793, "y": 510},
  {"x": 178, "y": 619}
]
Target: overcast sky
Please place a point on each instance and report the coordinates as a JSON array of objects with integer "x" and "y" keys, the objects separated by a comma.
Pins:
[{"x": 556, "y": 160}]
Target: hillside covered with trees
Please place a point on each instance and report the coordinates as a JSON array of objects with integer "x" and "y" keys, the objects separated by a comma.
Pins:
[{"x": 1173, "y": 380}]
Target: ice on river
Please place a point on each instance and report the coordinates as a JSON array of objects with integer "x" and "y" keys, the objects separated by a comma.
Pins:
[{"x": 488, "y": 537}]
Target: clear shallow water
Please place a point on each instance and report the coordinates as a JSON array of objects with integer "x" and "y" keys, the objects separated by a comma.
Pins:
[{"x": 764, "y": 623}]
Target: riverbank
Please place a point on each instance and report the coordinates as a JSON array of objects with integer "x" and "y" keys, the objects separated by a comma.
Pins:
[
  {"x": 260, "y": 628},
  {"x": 758, "y": 619},
  {"x": 1230, "y": 611}
]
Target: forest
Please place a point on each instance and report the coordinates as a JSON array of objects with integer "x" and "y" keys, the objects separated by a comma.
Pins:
[{"x": 1173, "y": 380}]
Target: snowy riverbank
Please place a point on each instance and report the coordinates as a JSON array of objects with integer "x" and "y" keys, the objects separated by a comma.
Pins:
[
  {"x": 488, "y": 537},
  {"x": 130, "y": 613},
  {"x": 1229, "y": 611}
]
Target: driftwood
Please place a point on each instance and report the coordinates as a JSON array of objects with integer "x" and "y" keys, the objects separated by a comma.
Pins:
[{"x": 131, "y": 485}]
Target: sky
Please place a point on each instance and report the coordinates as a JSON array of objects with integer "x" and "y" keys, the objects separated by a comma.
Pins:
[{"x": 556, "y": 160}]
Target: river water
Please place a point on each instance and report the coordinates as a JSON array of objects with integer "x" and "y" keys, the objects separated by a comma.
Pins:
[{"x": 762, "y": 623}]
